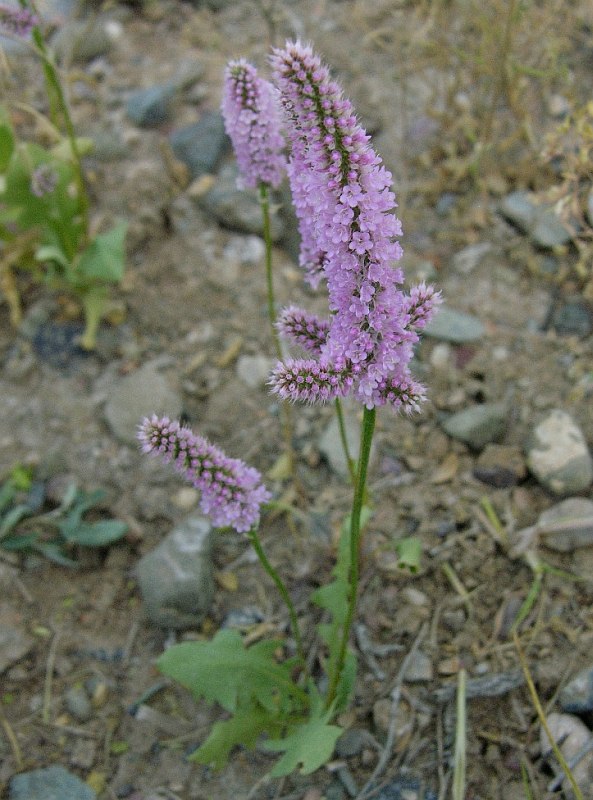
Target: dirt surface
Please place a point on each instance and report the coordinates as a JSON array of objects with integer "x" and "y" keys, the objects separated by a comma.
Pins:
[{"x": 89, "y": 623}]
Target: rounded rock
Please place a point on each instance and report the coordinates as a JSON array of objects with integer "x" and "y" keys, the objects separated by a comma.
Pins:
[{"x": 558, "y": 456}]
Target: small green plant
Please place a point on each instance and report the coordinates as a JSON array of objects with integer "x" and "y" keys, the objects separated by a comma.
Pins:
[
  {"x": 45, "y": 227},
  {"x": 56, "y": 532}
]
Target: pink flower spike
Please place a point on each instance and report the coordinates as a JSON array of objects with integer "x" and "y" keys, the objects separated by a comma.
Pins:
[
  {"x": 16, "y": 21},
  {"x": 252, "y": 120},
  {"x": 232, "y": 493},
  {"x": 303, "y": 328}
]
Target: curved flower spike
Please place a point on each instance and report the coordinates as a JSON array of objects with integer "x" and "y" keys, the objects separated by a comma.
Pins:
[
  {"x": 252, "y": 120},
  {"x": 16, "y": 21},
  {"x": 309, "y": 381},
  {"x": 231, "y": 492},
  {"x": 304, "y": 329}
]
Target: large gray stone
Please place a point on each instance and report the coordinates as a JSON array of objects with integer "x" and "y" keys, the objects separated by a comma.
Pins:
[
  {"x": 453, "y": 326},
  {"x": 140, "y": 394},
  {"x": 479, "y": 425},
  {"x": 577, "y": 696},
  {"x": 558, "y": 456},
  {"x": 51, "y": 783},
  {"x": 567, "y": 525},
  {"x": 176, "y": 578},
  {"x": 238, "y": 209},
  {"x": 539, "y": 221},
  {"x": 331, "y": 447},
  {"x": 150, "y": 106},
  {"x": 200, "y": 145},
  {"x": 14, "y": 645}
]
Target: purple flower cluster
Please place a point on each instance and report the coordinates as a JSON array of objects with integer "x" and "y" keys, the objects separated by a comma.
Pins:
[
  {"x": 252, "y": 120},
  {"x": 306, "y": 330},
  {"x": 16, "y": 21},
  {"x": 231, "y": 492},
  {"x": 342, "y": 194}
]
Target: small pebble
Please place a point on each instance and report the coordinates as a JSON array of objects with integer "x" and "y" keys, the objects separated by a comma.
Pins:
[
  {"x": 78, "y": 704},
  {"x": 350, "y": 743},
  {"x": 479, "y": 425},
  {"x": 52, "y": 783},
  {"x": 558, "y": 456}
]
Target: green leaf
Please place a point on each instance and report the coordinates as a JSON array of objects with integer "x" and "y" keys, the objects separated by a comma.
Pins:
[
  {"x": 96, "y": 534},
  {"x": 52, "y": 252},
  {"x": 243, "y": 728},
  {"x": 19, "y": 541},
  {"x": 224, "y": 671},
  {"x": 12, "y": 518},
  {"x": 54, "y": 552},
  {"x": 104, "y": 258},
  {"x": 308, "y": 746}
]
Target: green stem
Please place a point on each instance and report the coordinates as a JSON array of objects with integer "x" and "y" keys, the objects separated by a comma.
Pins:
[
  {"x": 264, "y": 200},
  {"x": 59, "y": 109},
  {"x": 257, "y": 546},
  {"x": 368, "y": 427},
  {"x": 344, "y": 439}
]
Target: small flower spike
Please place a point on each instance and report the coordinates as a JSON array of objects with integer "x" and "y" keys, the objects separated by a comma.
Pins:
[
  {"x": 309, "y": 381},
  {"x": 231, "y": 492},
  {"x": 253, "y": 122},
  {"x": 304, "y": 329},
  {"x": 16, "y": 21}
]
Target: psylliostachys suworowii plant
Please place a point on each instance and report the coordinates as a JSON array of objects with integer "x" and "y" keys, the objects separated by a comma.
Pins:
[{"x": 345, "y": 207}]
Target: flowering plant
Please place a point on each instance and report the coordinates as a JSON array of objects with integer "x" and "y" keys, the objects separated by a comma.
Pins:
[
  {"x": 44, "y": 208},
  {"x": 344, "y": 204}
]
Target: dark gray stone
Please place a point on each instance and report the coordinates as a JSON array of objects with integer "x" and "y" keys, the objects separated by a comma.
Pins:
[
  {"x": 539, "y": 222},
  {"x": 351, "y": 743},
  {"x": 519, "y": 209},
  {"x": 52, "y": 783},
  {"x": 176, "y": 578},
  {"x": 147, "y": 107},
  {"x": 200, "y": 146},
  {"x": 453, "y": 326},
  {"x": 140, "y": 394},
  {"x": 548, "y": 230},
  {"x": 238, "y": 209},
  {"x": 479, "y": 425},
  {"x": 405, "y": 788},
  {"x": 573, "y": 318},
  {"x": 78, "y": 703}
]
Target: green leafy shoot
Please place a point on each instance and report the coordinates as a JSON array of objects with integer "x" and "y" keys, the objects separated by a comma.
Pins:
[
  {"x": 53, "y": 533},
  {"x": 308, "y": 745},
  {"x": 236, "y": 677},
  {"x": 243, "y": 728},
  {"x": 333, "y": 597},
  {"x": 44, "y": 216}
]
